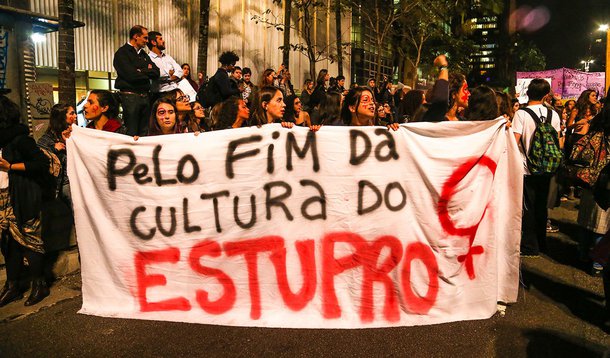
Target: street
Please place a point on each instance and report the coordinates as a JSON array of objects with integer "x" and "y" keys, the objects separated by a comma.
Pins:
[{"x": 559, "y": 313}]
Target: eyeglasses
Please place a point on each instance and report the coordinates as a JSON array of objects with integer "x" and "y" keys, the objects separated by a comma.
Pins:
[
  {"x": 162, "y": 112},
  {"x": 197, "y": 108},
  {"x": 182, "y": 99}
]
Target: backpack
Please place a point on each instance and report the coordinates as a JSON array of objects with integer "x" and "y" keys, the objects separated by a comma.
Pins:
[{"x": 544, "y": 156}]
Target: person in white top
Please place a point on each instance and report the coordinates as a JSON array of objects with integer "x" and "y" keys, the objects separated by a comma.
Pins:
[
  {"x": 170, "y": 70},
  {"x": 535, "y": 187}
]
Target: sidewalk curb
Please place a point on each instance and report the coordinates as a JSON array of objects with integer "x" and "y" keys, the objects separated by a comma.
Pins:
[{"x": 67, "y": 263}]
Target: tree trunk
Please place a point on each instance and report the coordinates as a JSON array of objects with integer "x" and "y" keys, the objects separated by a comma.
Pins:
[
  {"x": 416, "y": 65},
  {"x": 378, "y": 76},
  {"x": 311, "y": 55},
  {"x": 339, "y": 40},
  {"x": 204, "y": 26},
  {"x": 286, "y": 47},
  {"x": 66, "y": 57}
]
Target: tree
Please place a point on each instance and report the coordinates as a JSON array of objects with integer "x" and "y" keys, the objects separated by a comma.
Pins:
[
  {"x": 380, "y": 16},
  {"x": 529, "y": 57},
  {"x": 66, "y": 57},
  {"x": 286, "y": 46},
  {"x": 305, "y": 10},
  {"x": 204, "y": 27},
  {"x": 439, "y": 26},
  {"x": 337, "y": 8}
]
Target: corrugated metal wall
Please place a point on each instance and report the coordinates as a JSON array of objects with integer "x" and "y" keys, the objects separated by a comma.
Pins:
[{"x": 231, "y": 28}]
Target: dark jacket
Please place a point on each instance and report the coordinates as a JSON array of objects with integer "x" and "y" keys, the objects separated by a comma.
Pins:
[
  {"x": 439, "y": 103},
  {"x": 219, "y": 88},
  {"x": 316, "y": 96},
  {"x": 28, "y": 188},
  {"x": 133, "y": 74}
]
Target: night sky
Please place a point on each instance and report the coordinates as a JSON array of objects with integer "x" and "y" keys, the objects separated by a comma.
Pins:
[{"x": 566, "y": 38}]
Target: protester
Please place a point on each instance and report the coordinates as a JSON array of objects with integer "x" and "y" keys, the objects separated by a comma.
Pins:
[
  {"x": 505, "y": 105},
  {"x": 219, "y": 87},
  {"x": 135, "y": 70},
  {"x": 234, "y": 113},
  {"x": 169, "y": 70},
  {"x": 54, "y": 140},
  {"x": 269, "y": 107},
  {"x": 101, "y": 111},
  {"x": 339, "y": 85},
  {"x": 384, "y": 114},
  {"x": 186, "y": 73},
  {"x": 594, "y": 220},
  {"x": 285, "y": 85},
  {"x": 236, "y": 79},
  {"x": 194, "y": 121},
  {"x": 294, "y": 112},
  {"x": 359, "y": 108},
  {"x": 482, "y": 105},
  {"x": 249, "y": 87},
  {"x": 164, "y": 118},
  {"x": 306, "y": 94},
  {"x": 181, "y": 101},
  {"x": 329, "y": 111},
  {"x": 268, "y": 78},
  {"x": 320, "y": 89},
  {"x": 458, "y": 97},
  {"x": 409, "y": 104},
  {"x": 535, "y": 187},
  {"x": 24, "y": 171}
]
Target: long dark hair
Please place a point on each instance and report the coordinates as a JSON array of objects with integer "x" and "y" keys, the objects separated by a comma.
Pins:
[
  {"x": 258, "y": 116},
  {"x": 410, "y": 104},
  {"x": 57, "y": 119},
  {"x": 190, "y": 77},
  {"x": 290, "y": 114},
  {"x": 227, "y": 114},
  {"x": 505, "y": 104},
  {"x": 322, "y": 77},
  {"x": 107, "y": 98},
  {"x": 482, "y": 105},
  {"x": 330, "y": 108},
  {"x": 601, "y": 122},
  {"x": 352, "y": 98},
  {"x": 456, "y": 81},
  {"x": 583, "y": 103},
  {"x": 264, "y": 76},
  {"x": 153, "y": 125}
]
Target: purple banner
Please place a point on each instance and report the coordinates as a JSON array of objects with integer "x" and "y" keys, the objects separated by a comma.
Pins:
[{"x": 570, "y": 83}]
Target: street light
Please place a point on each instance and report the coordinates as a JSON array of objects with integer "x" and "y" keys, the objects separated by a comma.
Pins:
[
  {"x": 605, "y": 28},
  {"x": 587, "y": 64}
]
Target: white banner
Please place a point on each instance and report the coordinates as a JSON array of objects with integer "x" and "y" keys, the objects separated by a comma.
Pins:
[{"x": 349, "y": 227}]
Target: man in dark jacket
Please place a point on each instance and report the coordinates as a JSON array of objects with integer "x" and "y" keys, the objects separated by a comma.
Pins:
[
  {"x": 135, "y": 70},
  {"x": 219, "y": 88}
]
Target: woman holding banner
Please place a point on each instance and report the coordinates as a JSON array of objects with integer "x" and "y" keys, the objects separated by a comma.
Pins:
[
  {"x": 233, "y": 113},
  {"x": 101, "y": 111},
  {"x": 23, "y": 173},
  {"x": 269, "y": 107},
  {"x": 163, "y": 118},
  {"x": 359, "y": 108}
]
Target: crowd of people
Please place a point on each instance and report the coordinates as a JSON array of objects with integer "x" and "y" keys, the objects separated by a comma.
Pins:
[{"x": 150, "y": 101}]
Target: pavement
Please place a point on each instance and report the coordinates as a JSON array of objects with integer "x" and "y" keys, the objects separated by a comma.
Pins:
[{"x": 559, "y": 313}]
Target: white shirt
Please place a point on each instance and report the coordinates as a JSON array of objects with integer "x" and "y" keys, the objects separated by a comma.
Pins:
[
  {"x": 165, "y": 64},
  {"x": 137, "y": 49},
  {"x": 525, "y": 125}
]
